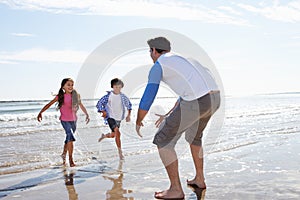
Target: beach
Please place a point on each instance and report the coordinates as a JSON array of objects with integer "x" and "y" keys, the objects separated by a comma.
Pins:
[{"x": 256, "y": 155}]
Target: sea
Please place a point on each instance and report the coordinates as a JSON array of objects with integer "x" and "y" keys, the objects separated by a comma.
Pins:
[{"x": 255, "y": 153}]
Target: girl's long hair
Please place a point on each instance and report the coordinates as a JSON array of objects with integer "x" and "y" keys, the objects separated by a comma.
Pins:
[{"x": 75, "y": 96}]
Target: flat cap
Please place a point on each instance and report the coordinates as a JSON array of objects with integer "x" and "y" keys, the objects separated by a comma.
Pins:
[{"x": 160, "y": 43}]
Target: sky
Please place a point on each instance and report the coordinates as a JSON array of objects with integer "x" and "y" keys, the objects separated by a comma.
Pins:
[{"x": 254, "y": 45}]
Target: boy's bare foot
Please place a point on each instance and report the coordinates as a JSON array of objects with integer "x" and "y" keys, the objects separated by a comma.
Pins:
[
  {"x": 169, "y": 194},
  {"x": 63, "y": 156},
  {"x": 121, "y": 154},
  {"x": 101, "y": 138},
  {"x": 196, "y": 183}
]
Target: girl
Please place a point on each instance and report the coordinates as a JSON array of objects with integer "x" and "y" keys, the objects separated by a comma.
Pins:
[{"x": 68, "y": 104}]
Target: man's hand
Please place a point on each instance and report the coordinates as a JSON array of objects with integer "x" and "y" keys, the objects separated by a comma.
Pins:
[
  {"x": 128, "y": 118},
  {"x": 140, "y": 116},
  {"x": 138, "y": 127},
  {"x": 160, "y": 119}
]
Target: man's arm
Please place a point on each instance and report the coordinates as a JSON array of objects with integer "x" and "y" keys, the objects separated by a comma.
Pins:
[{"x": 155, "y": 76}]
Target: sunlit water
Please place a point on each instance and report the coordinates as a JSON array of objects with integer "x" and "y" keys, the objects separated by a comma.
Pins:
[{"x": 256, "y": 154}]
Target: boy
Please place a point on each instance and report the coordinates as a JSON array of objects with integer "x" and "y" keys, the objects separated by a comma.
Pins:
[{"x": 112, "y": 106}]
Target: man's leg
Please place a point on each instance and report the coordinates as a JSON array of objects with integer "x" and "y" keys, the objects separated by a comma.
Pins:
[
  {"x": 193, "y": 135},
  {"x": 197, "y": 153},
  {"x": 170, "y": 161}
]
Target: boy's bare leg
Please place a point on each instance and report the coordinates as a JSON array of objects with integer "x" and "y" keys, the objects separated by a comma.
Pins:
[
  {"x": 197, "y": 153},
  {"x": 169, "y": 159},
  {"x": 108, "y": 135},
  {"x": 118, "y": 142}
]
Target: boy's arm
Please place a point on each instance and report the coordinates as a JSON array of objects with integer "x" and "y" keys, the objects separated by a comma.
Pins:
[
  {"x": 101, "y": 105},
  {"x": 126, "y": 101},
  {"x": 128, "y": 116},
  {"x": 129, "y": 108}
]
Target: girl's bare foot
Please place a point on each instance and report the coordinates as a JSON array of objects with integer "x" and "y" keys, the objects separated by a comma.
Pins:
[
  {"x": 197, "y": 183},
  {"x": 63, "y": 156}
]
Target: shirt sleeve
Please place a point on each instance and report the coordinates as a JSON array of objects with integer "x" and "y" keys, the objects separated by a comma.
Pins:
[
  {"x": 154, "y": 78},
  {"x": 101, "y": 103},
  {"x": 129, "y": 106},
  {"x": 126, "y": 102}
]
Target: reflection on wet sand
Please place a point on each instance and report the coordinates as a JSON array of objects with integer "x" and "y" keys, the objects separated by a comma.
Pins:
[
  {"x": 117, "y": 191},
  {"x": 69, "y": 182}
]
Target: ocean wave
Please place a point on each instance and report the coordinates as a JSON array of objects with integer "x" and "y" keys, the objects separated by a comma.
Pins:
[
  {"x": 27, "y": 132},
  {"x": 27, "y": 117},
  {"x": 263, "y": 113}
]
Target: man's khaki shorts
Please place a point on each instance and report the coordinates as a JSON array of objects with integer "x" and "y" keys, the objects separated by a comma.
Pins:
[{"x": 190, "y": 117}]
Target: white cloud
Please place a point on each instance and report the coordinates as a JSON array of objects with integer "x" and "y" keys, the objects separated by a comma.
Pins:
[
  {"x": 230, "y": 10},
  {"x": 289, "y": 12},
  {"x": 43, "y": 55},
  {"x": 155, "y": 9},
  {"x": 296, "y": 37},
  {"x": 5, "y": 62},
  {"x": 23, "y": 34}
]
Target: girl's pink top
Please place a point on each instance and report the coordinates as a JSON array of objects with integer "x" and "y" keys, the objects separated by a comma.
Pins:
[{"x": 66, "y": 111}]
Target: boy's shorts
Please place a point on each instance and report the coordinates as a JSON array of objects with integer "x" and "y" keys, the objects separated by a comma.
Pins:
[
  {"x": 113, "y": 124},
  {"x": 190, "y": 117}
]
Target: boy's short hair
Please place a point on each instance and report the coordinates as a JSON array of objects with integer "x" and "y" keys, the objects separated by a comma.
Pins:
[{"x": 116, "y": 81}]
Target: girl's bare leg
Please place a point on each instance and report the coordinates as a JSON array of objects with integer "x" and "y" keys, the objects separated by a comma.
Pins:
[
  {"x": 64, "y": 154},
  {"x": 70, "y": 152}
]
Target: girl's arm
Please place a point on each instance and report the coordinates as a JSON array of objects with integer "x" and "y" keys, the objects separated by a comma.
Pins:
[
  {"x": 48, "y": 105},
  {"x": 87, "y": 118}
]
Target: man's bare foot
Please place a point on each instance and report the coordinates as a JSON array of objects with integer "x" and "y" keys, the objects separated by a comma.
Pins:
[
  {"x": 196, "y": 183},
  {"x": 169, "y": 194},
  {"x": 101, "y": 138},
  {"x": 63, "y": 156}
]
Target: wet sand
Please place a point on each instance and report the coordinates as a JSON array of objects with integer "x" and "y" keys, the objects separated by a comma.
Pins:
[{"x": 268, "y": 170}]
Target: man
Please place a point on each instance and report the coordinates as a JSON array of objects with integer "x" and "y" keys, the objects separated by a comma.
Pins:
[{"x": 199, "y": 99}]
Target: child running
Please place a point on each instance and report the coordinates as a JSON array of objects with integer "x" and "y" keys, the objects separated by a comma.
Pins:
[
  {"x": 68, "y": 104},
  {"x": 112, "y": 106}
]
